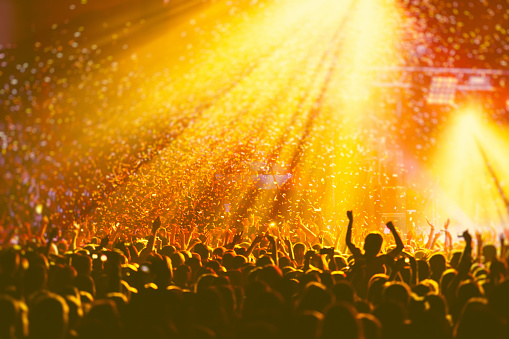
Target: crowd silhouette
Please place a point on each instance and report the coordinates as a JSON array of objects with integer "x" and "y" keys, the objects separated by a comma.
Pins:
[
  {"x": 89, "y": 271},
  {"x": 273, "y": 281}
]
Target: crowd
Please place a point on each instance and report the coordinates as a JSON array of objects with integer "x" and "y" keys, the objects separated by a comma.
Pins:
[
  {"x": 65, "y": 132},
  {"x": 90, "y": 128},
  {"x": 259, "y": 280}
]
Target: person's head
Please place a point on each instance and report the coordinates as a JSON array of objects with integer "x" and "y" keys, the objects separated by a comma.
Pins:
[
  {"x": 477, "y": 320},
  {"x": 437, "y": 306},
  {"x": 195, "y": 264},
  {"x": 161, "y": 267},
  {"x": 229, "y": 299},
  {"x": 167, "y": 250},
  {"x": 102, "y": 321},
  {"x": 437, "y": 265},
  {"x": 314, "y": 298},
  {"x": 214, "y": 265},
  {"x": 289, "y": 288},
  {"x": 425, "y": 287},
  {"x": 177, "y": 259},
  {"x": 341, "y": 319},
  {"x": 218, "y": 252},
  {"x": 262, "y": 304},
  {"x": 271, "y": 275},
  {"x": 61, "y": 277},
  {"x": 240, "y": 250},
  {"x": 466, "y": 291},
  {"x": 397, "y": 292},
  {"x": 392, "y": 316},
  {"x": 376, "y": 287},
  {"x": 373, "y": 243},
  {"x": 205, "y": 281},
  {"x": 238, "y": 261},
  {"x": 371, "y": 326},
  {"x": 9, "y": 263},
  {"x": 423, "y": 269},
  {"x": 306, "y": 325},
  {"x": 75, "y": 309},
  {"x": 344, "y": 291},
  {"x": 256, "y": 330},
  {"x": 13, "y": 321},
  {"x": 264, "y": 260},
  {"x": 489, "y": 252},
  {"x": 82, "y": 264},
  {"x": 455, "y": 259},
  {"x": 62, "y": 246},
  {"x": 182, "y": 276},
  {"x": 446, "y": 278},
  {"x": 497, "y": 271},
  {"x": 228, "y": 259},
  {"x": 203, "y": 250},
  {"x": 340, "y": 262},
  {"x": 35, "y": 278},
  {"x": 499, "y": 299},
  {"x": 299, "y": 250},
  {"x": 49, "y": 316}
]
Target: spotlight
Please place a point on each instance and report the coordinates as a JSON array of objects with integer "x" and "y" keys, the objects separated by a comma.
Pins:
[{"x": 442, "y": 90}]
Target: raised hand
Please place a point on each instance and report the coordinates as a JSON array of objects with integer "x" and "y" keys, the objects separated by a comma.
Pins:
[
  {"x": 446, "y": 224},
  {"x": 258, "y": 239},
  {"x": 156, "y": 224},
  {"x": 430, "y": 224},
  {"x": 410, "y": 235},
  {"x": 310, "y": 254},
  {"x": 467, "y": 236},
  {"x": 193, "y": 241},
  {"x": 270, "y": 238},
  {"x": 329, "y": 251},
  {"x": 390, "y": 226},
  {"x": 287, "y": 242},
  {"x": 53, "y": 233},
  {"x": 237, "y": 238},
  {"x": 478, "y": 236},
  {"x": 275, "y": 231},
  {"x": 349, "y": 214},
  {"x": 105, "y": 241}
]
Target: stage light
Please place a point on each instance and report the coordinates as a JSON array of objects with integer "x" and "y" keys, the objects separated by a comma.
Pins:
[
  {"x": 469, "y": 122},
  {"x": 479, "y": 83},
  {"x": 470, "y": 168},
  {"x": 442, "y": 90}
]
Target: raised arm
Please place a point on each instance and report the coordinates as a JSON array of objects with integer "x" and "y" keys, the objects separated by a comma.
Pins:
[
  {"x": 273, "y": 245},
  {"x": 431, "y": 233},
  {"x": 51, "y": 236},
  {"x": 306, "y": 230},
  {"x": 288, "y": 243},
  {"x": 354, "y": 249},
  {"x": 74, "y": 239},
  {"x": 150, "y": 246},
  {"x": 237, "y": 238},
  {"x": 256, "y": 241},
  {"x": 399, "y": 243},
  {"x": 478, "y": 236},
  {"x": 338, "y": 236},
  {"x": 448, "y": 238},
  {"x": 463, "y": 268},
  {"x": 502, "y": 247},
  {"x": 466, "y": 257}
]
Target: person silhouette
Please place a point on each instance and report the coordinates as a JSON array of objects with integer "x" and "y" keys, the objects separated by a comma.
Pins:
[{"x": 370, "y": 262}]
